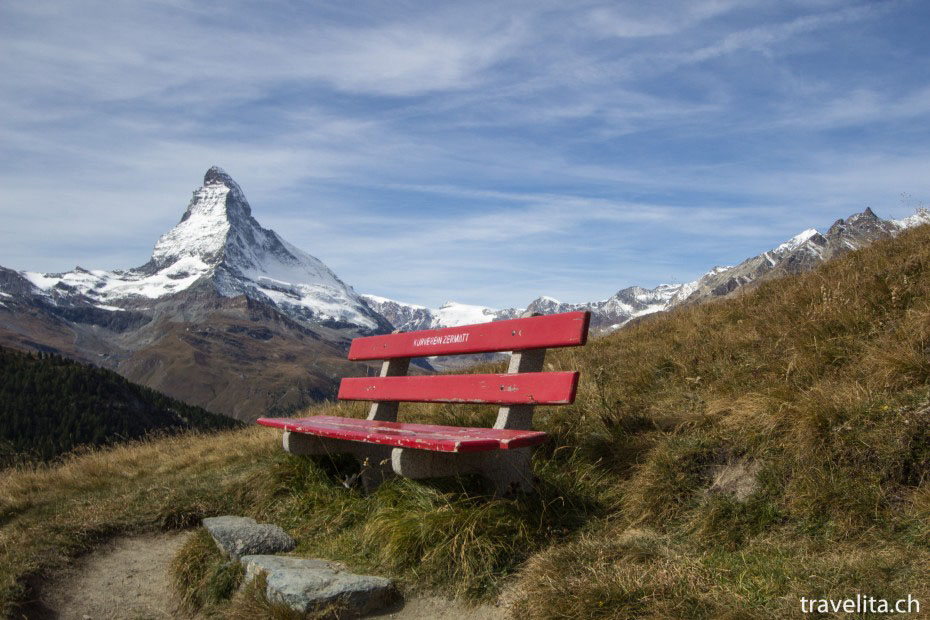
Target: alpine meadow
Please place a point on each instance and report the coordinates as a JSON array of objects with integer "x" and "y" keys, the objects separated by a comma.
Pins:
[
  {"x": 722, "y": 459},
  {"x": 472, "y": 310}
]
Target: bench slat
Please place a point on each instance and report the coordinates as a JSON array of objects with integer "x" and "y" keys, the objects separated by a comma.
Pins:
[
  {"x": 556, "y": 330},
  {"x": 405, "y": 435},
  {"x": 530, "y": 388}
]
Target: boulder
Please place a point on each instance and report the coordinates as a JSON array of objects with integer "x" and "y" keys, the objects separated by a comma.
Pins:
[
  {"x": 239, "y": 536},
  {"x": 307, "y": 585}
]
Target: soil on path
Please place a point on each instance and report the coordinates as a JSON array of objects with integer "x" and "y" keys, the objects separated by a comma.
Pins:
[
  {"x": 129, "y": 578},
  {"x": 125, "y": 578}
]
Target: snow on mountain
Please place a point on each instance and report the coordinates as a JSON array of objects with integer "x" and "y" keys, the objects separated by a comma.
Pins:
[
  {"x": 796, "y": 241},
  {"x": 106, "y": 286},
  {"x": 411, "y": 317},
  {"x": 922, "y": 216},
  {"x": 609, "y": 313},
  {"x": 802, "y": 252},
  {"x": 375, "y": 299},
  {"x": 218, "y": 240},
  {"x": 452, "y": 314},
  {"x": 620, "y": 308}
]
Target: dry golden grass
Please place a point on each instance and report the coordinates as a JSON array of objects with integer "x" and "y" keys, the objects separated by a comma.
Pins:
[
  {"x": 822, "y": 382},
  {"x": 639, "y": 573}
]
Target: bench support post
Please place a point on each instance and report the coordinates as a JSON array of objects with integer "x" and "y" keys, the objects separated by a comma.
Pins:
[
  {"x": 387, "y": 411},
  {"x": 418, "y": 464},
  {"x": 508, "y": 470},
  {"x": 520, "y": 417}
]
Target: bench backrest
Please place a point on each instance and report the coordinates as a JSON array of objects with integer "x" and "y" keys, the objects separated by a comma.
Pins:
[
  {"x": 520, "y": 389},
  {"x": 569, "y": 329}
]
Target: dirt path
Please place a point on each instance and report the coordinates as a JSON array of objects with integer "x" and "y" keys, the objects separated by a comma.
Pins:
[{"x": 128, "y": 578}]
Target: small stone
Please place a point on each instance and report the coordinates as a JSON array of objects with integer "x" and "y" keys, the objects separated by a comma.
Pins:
[
  {"x": 306, "y": 585},
  {"x": 239, "y": 536}
]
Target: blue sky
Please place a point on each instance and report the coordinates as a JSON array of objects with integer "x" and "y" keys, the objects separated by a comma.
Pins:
[{"x": 438, "y": 151}]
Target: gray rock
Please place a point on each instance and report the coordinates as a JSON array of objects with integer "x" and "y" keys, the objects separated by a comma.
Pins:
[
  {"x": 239, "y": 536},
  {"x": 305, "y": 585}
]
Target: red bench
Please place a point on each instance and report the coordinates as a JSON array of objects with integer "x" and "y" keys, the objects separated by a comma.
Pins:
[{"x": 501, "y": 454}]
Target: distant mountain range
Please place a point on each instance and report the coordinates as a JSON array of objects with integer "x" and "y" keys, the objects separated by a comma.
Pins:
[
  {"x": 801, "y": 253},
  {"x": 229, "y": 316}
]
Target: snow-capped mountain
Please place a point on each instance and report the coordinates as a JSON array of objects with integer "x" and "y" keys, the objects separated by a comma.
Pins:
[
  {"x": 800, "y": 253},
  {"x": 226, "y": 314},
  {"x": 609, "y": 313},
  {"x": 804, "y": 252},
  {"x": 620, "y": 308},
  {"x": 218, "y": 241},
  {"x": 411, "y": 317}
]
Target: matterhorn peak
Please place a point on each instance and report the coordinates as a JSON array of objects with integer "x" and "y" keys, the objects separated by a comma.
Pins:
[
  {"x": 205, "y": 226},
  {"x": 217, "y": 176},
  {"x": 218, "y": 242}
]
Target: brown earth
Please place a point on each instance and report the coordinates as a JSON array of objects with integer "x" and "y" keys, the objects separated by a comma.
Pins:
[{"x": 126, "y": 578}]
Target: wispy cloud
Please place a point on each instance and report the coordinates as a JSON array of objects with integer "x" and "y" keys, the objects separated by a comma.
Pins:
[{"x": 635, "y": 20}]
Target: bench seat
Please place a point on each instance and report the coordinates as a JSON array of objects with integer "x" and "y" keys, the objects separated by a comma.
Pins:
[{"x": 405, "y": 435}]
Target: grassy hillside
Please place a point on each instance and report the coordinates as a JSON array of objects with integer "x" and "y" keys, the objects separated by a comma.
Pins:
[
  {"x": 50, "y": 405},
  {"x": 722, "y": 460}
]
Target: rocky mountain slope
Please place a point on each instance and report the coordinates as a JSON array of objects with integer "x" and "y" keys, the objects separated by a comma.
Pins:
[
  {"x": 801, "y": 253},
  {"x": 804, "y": 252},
  {"x": 226, "y": 314}
]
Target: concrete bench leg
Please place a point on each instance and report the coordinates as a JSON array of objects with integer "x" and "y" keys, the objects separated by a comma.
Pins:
[
  {"x": 508, "y": 470},
  {"x": 419, "y": 464},
  {"x": 303, "y": 445}
]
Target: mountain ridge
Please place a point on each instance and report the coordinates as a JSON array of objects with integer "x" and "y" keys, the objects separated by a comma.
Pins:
[{"x": 800, "y": 253}]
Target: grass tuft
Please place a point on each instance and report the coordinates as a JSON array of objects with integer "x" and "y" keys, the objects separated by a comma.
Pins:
[{"x": 202, "y": 576}]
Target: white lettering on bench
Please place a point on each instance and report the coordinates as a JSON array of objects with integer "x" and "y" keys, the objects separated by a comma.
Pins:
[{"x": 447, "y": 339}]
